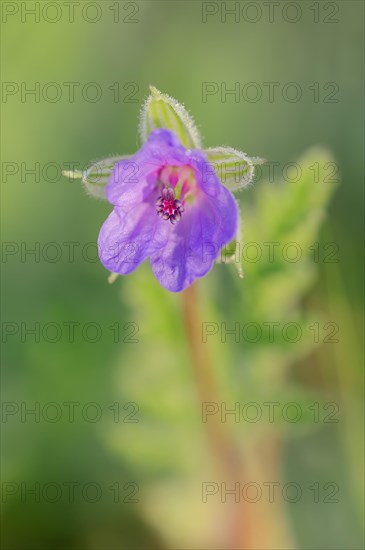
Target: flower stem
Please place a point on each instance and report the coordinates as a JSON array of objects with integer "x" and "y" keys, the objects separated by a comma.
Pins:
[
  {"x": 206, "y": 383},
  {"x": 222, "y": 446},
  {"x": 255, "y": 526}
]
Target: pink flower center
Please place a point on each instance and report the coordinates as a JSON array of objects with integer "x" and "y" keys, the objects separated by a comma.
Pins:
[
  {"x": 169, "y": 208},
  {"x": 177, "y": 181}
]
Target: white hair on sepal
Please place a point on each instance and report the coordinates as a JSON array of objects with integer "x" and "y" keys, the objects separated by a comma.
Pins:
[
  {"x": 172, "y": 115},
  {"x": 222, "y": 155}
]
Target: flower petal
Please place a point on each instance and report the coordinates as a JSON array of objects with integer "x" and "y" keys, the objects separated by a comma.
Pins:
[
  {"x": 133, "y": 180},
  {"x": 197, "y": 239},
  {"x": 179, "y": 253},
  {"x": 126, "y": 239}
]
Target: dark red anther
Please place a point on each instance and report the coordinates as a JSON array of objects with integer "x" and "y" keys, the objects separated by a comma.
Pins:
[{"x": 169, "y": 208}]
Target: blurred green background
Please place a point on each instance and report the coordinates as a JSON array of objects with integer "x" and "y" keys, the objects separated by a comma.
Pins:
[{"x": 165, "y": 453}]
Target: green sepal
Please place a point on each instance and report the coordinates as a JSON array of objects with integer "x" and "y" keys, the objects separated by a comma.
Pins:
[
  {"x": 163, "y": 111},
  {"x": 234, "y": 168},
  {"x": 96, "y": 176}
]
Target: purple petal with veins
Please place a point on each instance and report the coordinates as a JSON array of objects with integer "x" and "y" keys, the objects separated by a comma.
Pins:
[{"x": 170, "y": 207}]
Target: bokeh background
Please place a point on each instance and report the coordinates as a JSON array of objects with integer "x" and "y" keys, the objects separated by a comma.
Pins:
[{"x": 165, "y": 456}]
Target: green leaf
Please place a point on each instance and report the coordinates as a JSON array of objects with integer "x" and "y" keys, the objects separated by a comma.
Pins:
[
  {"x": 96, "y": 176},
  {"x": 234, "y": 168},
  {"x": 290, "y": 212},
  {"x": 162, "y": 111},
  {"x": 285, "y": 206}
]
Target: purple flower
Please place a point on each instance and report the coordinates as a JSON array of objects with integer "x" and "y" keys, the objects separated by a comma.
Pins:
[{"x": 170, "y": 207}]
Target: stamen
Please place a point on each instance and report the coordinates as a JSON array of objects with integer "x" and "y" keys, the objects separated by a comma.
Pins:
[
  {"x": 167, "y": 207},
  {"x": 177, "y": 182}
]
